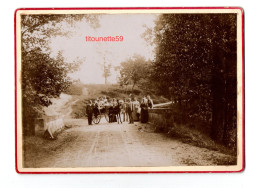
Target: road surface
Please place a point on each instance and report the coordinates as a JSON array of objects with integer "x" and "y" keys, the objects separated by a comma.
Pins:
[{"x": 114, "y": 144}]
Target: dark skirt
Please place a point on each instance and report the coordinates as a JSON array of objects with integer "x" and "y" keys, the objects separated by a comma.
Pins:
[
  {"x": 144, "y": 115},
  {"x": 112, "y": 114}
]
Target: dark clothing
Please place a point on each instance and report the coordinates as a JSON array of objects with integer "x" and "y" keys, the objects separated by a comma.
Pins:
[
  {"x": 95, "y": 110},
  {"x": 129, "y": 111},
  {"x": 131, "y": 119},
  {"x": 144, "y": 113},
  {"x": 89, "y": 112},
  {"x": 111, "y": 114},
  {"x": 150, "y": 103}
]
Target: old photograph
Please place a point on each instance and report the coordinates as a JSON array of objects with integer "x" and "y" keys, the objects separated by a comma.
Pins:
[{"x": 129, "y": 90}]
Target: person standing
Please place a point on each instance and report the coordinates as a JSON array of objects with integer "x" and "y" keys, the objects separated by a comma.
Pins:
[
  {"x": 105, "y": 99},
  {"x": 110, "y": 110},
  {"x": 124, "y": 110},
  {"x": 96, "y": 108},
  {"x": 150, "y": 101},
  {"x": 144, "y": 111},
  {"x": 130, "y": 111},
  {"x": 114, "y": 110},
  {"x": 89, "y": 112},
  {"x": 136, "y": 111}
]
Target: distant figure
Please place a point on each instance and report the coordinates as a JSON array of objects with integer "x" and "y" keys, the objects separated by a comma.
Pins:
[
  {"x": 144, "y": 110},
  {"x": 105, "y": 99},
  {"x": 150, "y": 101},
  {"x": 110, "y": 111},
  {"x": 117, "y": 111},
  {"x": 130, "y": 111},
  {"x": 96, "y": 108},
  {"x": 89, "y": 112},
  {"x": 101, "y": 102},
  {"x": 124, "y": 110},
  {"x": 136, "y": 109}
]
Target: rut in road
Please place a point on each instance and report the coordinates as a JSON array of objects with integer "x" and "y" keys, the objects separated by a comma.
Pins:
[
  {"x": 108, "y": 145},
  {"x": 105, "y": 145}
]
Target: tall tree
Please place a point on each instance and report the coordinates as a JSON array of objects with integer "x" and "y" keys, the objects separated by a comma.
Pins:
[
  {"x": 44, "y": 77},
  {"x": 196, "y": 64},
  {"x": 107, "y": 70},
  {"x": 133, "y": 70}
]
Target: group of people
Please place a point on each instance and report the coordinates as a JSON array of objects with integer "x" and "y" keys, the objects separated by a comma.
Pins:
[
  {"x": 137, "y": 110},
  {"x": 130, "y": 109}
]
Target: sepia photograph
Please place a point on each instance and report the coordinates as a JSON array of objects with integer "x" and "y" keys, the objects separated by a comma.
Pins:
[{"x": 129, "y": 90}]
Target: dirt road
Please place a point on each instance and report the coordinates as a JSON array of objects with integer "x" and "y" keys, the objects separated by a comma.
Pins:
[{"x": 115, "y": 145}]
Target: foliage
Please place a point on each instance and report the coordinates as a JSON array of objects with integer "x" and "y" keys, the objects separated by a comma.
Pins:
[
  {"x": 196, "y": 65},
  {"x": 133, "y": 71},
  {"x": 107, "y": 71},
  {"x": 44, "y": 77},
  {"x": 36, "y": 30}
]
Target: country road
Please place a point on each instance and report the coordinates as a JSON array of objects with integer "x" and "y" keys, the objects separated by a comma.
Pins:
[{"x": 106, "y": 144}]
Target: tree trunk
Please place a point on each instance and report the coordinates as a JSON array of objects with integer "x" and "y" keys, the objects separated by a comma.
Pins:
[{"x": 133, "y": 86}]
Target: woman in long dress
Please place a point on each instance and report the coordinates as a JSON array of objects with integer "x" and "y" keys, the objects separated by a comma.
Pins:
[
  {"x": 144, "y": 111},
  {"x": 136, "y": 112}
]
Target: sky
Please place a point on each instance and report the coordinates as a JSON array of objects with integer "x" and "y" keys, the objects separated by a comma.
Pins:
[{"x": 130, "y": 26}]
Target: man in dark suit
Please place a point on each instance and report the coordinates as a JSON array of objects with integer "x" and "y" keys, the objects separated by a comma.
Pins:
[
  {"x": 89, "y": 112},
  {"x": 130, "y": 108}
]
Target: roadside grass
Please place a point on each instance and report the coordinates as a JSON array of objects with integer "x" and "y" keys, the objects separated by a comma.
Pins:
[
  {"x": 221, "y": 156},
  {"x": 196, "y": 138},
  {"x": 37, "y": 148}
]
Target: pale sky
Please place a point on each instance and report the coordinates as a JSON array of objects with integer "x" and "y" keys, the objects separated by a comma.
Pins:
[{"x": 130, "y": 26}]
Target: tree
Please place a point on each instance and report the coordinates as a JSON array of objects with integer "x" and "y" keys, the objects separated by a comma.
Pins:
[
  {"x": 107, "y": 71},
  {"x": 133, "y": 70},
  {"x": 43, "y": 77},
  {"x": 196, "y": 65},
  {"x": 36, "y": 30}
]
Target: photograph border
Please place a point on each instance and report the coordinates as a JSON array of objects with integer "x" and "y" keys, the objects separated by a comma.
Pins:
[{"x": 96, "y": 170}]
